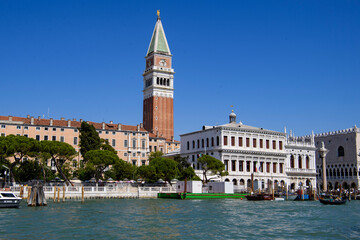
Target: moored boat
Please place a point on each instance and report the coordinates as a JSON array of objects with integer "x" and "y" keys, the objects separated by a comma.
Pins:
[
  {"x": 259, "y": 197},
  {"x": 332, "y": 201},
  {"x": 9, "y": 200}
]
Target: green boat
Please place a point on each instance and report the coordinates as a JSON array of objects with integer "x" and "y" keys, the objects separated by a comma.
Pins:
[{"x": 202, "y": 195}]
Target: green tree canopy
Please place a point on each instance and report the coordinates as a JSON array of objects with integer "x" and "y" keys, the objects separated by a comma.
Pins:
[
  {"x": 166, "y": 169},
  {"x": 185, "y": 169},
  {"x": 211, "y": 164},
  {"x": 99, "y": 160},
  {"x": 60, "y": 152},
  {"x": 121, "y": 170},
  {"x": 17, "y": 147},
  {"x": 106, "y": 146},
  {"x": 154, "y": 155},
  {"x": 31, "y": 169},
  {"x": 147, "y": 173},
  {"x": 89, "y": 139}
]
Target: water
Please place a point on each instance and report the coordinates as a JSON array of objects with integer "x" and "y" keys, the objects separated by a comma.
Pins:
[{"x": 181, "y": 219}]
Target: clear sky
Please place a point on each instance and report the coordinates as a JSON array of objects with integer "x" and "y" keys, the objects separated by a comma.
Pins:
[{"x": 280, "y": 63}]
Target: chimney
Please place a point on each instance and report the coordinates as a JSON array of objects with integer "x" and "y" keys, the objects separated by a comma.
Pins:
[
  {"x": 111, "y": 122},
  {"x": 103, "y": 125},
  {"x": 32, "y": 121},
  {"x": 137, "y": 128},
  {"x": 141, "y": 125},
  {"x": 172, "y": 138},
  {"x": 51, "y": 121},
  {"x": 81, "y": 120},
  {"x": 10, "y": 118},
  {"x": 119, "y": 126},
  {"x": 157, "y": 133},
  {"x": 62, "y": 118},
  {"x": 69, "y": 123},
  {"x": 74, "y": 119},
  {"x": 28, "y": 116},
  {"x": 39, "y": 118}
]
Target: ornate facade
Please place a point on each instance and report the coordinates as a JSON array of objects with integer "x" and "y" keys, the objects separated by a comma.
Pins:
[
  {"x": 342, "y": 160},
  {"x": 247, "y": 150}
]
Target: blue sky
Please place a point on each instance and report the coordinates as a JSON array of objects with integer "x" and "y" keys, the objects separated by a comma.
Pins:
[{"x": 280, "y": 63}]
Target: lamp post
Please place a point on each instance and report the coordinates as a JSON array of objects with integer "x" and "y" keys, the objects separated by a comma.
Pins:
[{"x": 322, "y": 152}]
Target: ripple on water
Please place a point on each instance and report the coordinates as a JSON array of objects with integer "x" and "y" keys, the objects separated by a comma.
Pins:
[{"x": 178, "y": 219}]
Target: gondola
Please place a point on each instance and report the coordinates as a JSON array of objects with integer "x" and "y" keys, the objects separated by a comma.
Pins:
[{"x": 331, "y": 201}]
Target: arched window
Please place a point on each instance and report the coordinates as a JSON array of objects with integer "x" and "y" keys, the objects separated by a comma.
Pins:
[
  {"x": 242, "y": 182},
  {"x": 341, "y": 152},
  {"x": 234, "y": 182},
  {"x": 193, "y": 144},
  {"x": 207, "y": 142},
  {"x": 334, "y": 172},
  {"x": 134, "y": 143},
  {"x": 217, "y": 141},
  {"x": 300, "y": 162},
  {"x": 212, "y": 141},
  {"x": 292, "y": 161}
]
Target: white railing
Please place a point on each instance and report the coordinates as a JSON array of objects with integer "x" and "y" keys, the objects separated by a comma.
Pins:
[{"x": 121, "y": 190}]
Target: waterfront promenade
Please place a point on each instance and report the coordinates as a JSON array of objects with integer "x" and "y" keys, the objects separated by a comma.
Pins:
[{"x": 114, "y": 190}]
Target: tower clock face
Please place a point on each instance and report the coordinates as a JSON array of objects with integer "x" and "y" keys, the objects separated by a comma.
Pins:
[{"x": 162, "y": 62}]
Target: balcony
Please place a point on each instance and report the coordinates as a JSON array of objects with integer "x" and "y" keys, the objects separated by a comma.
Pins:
[{"x": 300, "y": 171}]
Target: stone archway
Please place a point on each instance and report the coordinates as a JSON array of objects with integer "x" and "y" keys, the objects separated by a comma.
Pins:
[
  {"x": 337, "y": 185},
  {"x": 234, "y": 182},
  {"x": 242, "y": 182},
  {"x": 345, "y": 185},
  {"x": 330, "y": 186},
  {"x": 353, "y": 185}
]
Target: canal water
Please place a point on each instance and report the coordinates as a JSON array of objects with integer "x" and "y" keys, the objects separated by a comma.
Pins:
[{"x": 181, "y": 219}]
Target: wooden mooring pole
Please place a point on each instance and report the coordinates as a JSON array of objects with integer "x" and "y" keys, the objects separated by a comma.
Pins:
[
  {"x": 58, "y": 195},
  {"x": 29, "y": 191},
  {"x": 63, "y": 193},
  {"x": 21, "y": 191},
  {"x": 82, "y": 194},
  {"x": 54, "y": 193}
]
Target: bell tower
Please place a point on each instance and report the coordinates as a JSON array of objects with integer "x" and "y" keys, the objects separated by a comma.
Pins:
[{"x": 158, "y": 110}]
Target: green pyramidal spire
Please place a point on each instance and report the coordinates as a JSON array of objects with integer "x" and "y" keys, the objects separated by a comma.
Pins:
[{"x": 158, "y": 43}]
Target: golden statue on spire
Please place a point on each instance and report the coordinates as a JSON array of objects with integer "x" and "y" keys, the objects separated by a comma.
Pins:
[{"x": 158, "y": 13}]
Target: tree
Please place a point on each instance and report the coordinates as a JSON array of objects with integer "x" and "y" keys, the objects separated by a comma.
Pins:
[
  {"x": 31, "y": 169},
  {"x": 121, "y": 170},
  {"x": 17, "y": 147},
  {"x": 211, "y": 164},
  {"x": 185, "y": 169},
  {"x": 99, "y": 160},
  {"x": 166, "y": 169},
  {"x": 154, "y": 155},
  {"x": 147, "y": 173},
  {"x": 89, "y": 139},
  {"x": 106, "y": 146},
  {"x": 59, "y": 152}
]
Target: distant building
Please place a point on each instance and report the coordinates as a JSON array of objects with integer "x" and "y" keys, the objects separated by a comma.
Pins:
[
  {"x": 132, "y": 143},
  {"x": 342, "y": 160},
  {"x": 244, "y": 150}
]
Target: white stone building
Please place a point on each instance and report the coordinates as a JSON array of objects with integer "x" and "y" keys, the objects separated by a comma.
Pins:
[
  {"x": 245, "y": 150},
  {"x": 342, "y": 160}
]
